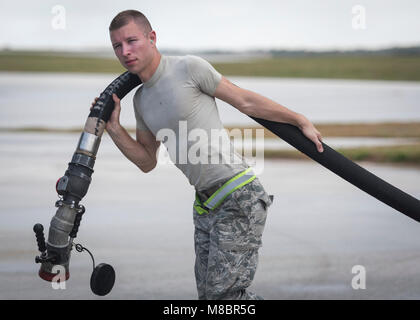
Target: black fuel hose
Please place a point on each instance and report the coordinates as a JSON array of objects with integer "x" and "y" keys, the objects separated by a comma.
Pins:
[
  {"x": 346, "y": 169},
  {"x": 122, "y": 85}
]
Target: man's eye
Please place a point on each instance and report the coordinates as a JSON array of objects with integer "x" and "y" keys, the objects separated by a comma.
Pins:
[
  {"x": 117, "y": 46},
  {"x": 131, "y": 40}
]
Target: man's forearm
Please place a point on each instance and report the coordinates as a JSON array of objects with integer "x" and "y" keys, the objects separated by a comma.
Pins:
[
  {"x": 132, "y": 149},
  {"x": 259, "y": 106},
  {"x": 264, "y": 108}
]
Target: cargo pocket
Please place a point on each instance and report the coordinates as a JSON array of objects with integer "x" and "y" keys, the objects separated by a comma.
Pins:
[
  {"x": 232, "y": 229},
  {"x": 256, "y": 212}
]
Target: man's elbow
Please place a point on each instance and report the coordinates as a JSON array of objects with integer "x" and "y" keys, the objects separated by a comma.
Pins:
[
  {"x": 255, "y": 105},
  {"x": 147, "y": 168},
  {"x": 247, "y": 103}
]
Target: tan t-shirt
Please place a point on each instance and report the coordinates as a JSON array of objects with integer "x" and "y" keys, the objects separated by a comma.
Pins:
[{"x": 177, "y": 105}]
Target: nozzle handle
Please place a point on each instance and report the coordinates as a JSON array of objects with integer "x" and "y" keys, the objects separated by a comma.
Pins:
[
  {"x": 39, "y": 233},
  {"x": 77, "y": 220}
]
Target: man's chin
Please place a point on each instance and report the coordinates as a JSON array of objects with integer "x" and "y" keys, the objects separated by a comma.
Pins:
[{"x": 133, "y": 69}]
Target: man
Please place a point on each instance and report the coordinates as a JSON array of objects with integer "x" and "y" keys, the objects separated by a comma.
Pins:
[{"x": 230, "y": 206}]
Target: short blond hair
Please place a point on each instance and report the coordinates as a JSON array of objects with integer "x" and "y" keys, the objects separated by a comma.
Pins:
[{"x": 125, "y": 17}]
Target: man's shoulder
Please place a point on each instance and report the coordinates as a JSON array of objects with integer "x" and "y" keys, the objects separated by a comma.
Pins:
[
  {"x": 181, "y": 66},
  {"x": 181, "y": 58},
  {"x": 185, "y": 59}
]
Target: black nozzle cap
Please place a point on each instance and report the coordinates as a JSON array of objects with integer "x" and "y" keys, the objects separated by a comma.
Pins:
[
  {"x": 38, "y": 228},
  {"x": 102, "y": 279}
]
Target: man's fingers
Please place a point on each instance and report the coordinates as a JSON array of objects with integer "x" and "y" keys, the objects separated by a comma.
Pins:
[
  {"x": 115, "y": 97},
  {"x": 319, "y": 145},
  {"x": 318, "y": 142},
  {"x": 320, "y": 148},
  {"x": 117, "y": 105},
  {"x": 314, "y": 135},
  {"x": 320, "y": 139},
  {"x": 94, "y": 102},
  {"x": 319, "y": 136}
]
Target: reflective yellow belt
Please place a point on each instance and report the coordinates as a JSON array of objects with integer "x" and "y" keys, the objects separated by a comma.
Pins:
[{"x": 220, "y": 194}]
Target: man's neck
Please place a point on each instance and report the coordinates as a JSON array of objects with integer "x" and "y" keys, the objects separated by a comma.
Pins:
[{"x": 146, "y": 74}]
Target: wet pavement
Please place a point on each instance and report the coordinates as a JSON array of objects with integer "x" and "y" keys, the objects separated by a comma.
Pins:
[{"x": 319, "y": 227}]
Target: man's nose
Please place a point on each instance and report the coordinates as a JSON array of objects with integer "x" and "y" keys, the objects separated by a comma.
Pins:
[{"x": 125, "y": 50}]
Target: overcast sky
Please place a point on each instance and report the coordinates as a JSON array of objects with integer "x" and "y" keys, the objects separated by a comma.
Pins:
[{"x": 216, "y": 24}]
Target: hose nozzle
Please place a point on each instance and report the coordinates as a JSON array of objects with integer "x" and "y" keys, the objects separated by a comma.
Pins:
[{"x": 49, "y": 260}]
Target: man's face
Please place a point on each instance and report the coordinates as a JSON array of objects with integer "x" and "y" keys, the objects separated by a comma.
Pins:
[{"x": 133, "y": 47}]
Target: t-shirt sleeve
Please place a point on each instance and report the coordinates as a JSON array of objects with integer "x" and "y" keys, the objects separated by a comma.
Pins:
[
  {"x": 203, "y": 74},
  {"x": 140, "y": 125}
]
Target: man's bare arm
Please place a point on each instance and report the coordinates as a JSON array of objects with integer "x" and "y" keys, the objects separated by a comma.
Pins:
[{"x": 143, "y": 152}]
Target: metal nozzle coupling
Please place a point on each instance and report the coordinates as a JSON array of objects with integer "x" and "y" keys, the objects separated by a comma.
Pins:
[{"x": 88, "y": 143}]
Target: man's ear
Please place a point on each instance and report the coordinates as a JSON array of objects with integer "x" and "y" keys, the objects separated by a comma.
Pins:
[{"x": 152, "y": 37}]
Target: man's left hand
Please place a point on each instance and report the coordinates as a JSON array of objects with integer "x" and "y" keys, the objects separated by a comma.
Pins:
[{"x": 309, "y": 130}]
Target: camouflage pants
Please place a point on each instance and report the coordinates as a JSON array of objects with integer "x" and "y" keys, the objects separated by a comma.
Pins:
[{"x": 227, "y": 240}]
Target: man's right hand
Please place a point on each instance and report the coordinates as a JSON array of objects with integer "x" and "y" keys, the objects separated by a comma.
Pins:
[{"x": 114, "y": 121}]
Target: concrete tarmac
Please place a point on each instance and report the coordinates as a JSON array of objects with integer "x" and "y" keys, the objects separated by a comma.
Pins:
[{"x": 318, "y": 229}]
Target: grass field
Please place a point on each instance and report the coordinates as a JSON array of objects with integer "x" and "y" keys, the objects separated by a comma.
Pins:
[
  {"x": 43, "y": 62},
  {"x": 334, "y": 66},
  {"x": 344, "y": 67}
]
